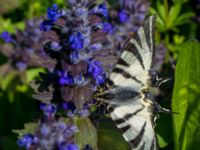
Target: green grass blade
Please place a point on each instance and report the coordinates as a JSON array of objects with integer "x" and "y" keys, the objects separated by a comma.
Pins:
[{"x": 186, "y": 98}]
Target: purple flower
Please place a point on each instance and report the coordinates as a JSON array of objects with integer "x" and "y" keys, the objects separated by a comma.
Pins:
[
  {"x": 66, "y": 79},
  {"x": 95, "y": 68},
  {"x": 64, "y": 106},
  {"x": 6, "y": 37},
  {"x": 26, "y": 141},
  {"x": 95, "y": 47},
  {"x": 54, "y": 13},
  {"x": 101, "y": 9},
  {"x": 55, "y": 46},
  {"x": 123, "y": 16},
  {"x": 72, "y": 2},
  {"x": 21, "y": 65},
  {"x": 51, "y": 133},
  {"x": 79, "y": 79},
  {"x": 84, "y": 112},
  {"x": 48, "y": 109},
  {"x": 107, "y": 27},
  {"x": 45, "y": 130},
  {"x": 76, "y": 40},
  {"x": 72, "y": 147},
  {"x": 74, "y": 56},
  {"x": 100, "y": 79},
  {"x": 68, "y": 147},
  {"x": 96, "y": 71},
  {"x": 46, "y": 25}
]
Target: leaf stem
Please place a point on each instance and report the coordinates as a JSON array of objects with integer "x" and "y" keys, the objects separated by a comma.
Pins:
[{"x": 166, "y": 7}]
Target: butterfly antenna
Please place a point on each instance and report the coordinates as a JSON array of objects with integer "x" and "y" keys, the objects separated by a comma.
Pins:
[
  {"x": 160, "y": 109},
  {"x": 160, "y": 81}
]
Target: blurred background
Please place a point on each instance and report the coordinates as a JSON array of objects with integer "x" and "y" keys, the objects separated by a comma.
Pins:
[{"x": 177, "y": 57}]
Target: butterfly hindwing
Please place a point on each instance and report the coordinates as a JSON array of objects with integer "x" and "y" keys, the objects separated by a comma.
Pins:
[{"x": 136, "y": 126}]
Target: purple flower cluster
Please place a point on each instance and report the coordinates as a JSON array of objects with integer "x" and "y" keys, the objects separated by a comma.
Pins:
[
  {"x": 75, "y": 40},
  {"x": 54, "y": 13},
  {"x": 21, "y": 48},
  {"x": 79, "y": 50},
  {"x": 127, "y": 16},
  {"x": 51, "y": 133},
  {"x": 6, "y": 37}
]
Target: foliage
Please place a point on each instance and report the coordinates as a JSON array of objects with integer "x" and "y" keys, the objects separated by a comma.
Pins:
[
  {"x": 10, "y": 20},
  {"x": 177, "y": 21},
  {"x": 186, "y": 96}
]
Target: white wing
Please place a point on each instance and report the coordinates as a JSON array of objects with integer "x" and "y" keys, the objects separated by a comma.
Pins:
[
  {"x": 132, "y": 68},
  {"x": 136, "y": 126}
]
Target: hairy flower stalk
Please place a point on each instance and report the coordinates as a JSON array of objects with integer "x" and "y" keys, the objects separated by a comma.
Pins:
[
  {"x": 75, "y": 40},
  {"x": 78, "y": 59},
  {"x": 21, "y": 48}
]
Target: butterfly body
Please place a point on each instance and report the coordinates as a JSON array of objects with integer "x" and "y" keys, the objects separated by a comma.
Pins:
[{"x": 126, "y": 91}]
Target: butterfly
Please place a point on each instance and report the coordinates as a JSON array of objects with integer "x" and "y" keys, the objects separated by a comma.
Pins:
[{"x": 127, "y": 90}]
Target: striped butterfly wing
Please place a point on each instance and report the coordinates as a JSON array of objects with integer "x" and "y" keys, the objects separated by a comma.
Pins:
[
  {"x": 131, "y": 72},
  {"x": 136, "y": 124},
  {"x": 136, "y": 60}
]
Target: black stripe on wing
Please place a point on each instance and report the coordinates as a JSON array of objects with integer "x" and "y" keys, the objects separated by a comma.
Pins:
[
  {"x": 123, "y": 63},
  {"x": 126, "y": 75},
  {"x": 129, "y": 115},
  {"x": 130, "y": 47},
  {"x": 136, "y": 141},
  {"x": 149, "y": 30},
  {"x": 142, "y": 147},
  {"x": 110, "y": 83},
  {"x": 152, "y": 145},
  {"x": 125, "y": 128},
  {"x": 119, "y": 121}
]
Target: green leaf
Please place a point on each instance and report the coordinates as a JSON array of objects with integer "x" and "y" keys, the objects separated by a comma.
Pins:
[
  {"x": 179, "y": 1},
  {"x": 184, "y": 18},
  {"x": 7, "y": 81},
  {"x": 161, "y": 10},
  {"x": 186, "y": 98},
  {"x": 28, "y": 128},
  {"x": 87, "y": 134},
  {"x": 32, "y": 73},
  {"x": 173, "y": 14},
  {"x": 161, "y": 141}
]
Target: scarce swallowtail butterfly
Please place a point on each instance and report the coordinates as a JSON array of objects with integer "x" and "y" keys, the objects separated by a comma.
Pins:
[{"x": 127, "y": 90}]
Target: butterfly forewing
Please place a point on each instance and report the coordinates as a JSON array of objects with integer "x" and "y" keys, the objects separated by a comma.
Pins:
[
  {"x": 136, "y": 59},
  {"x": 134, "y": 115}
]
